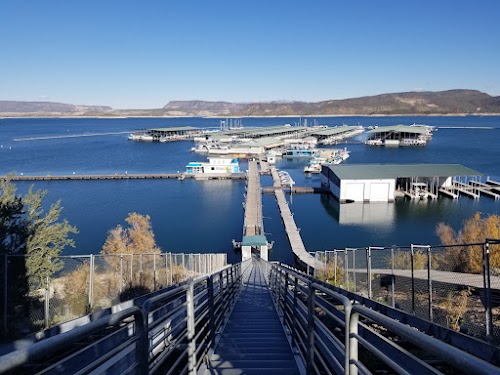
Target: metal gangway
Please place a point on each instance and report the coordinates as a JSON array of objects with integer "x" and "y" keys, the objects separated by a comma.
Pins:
[{"x": 250, "y": 318}]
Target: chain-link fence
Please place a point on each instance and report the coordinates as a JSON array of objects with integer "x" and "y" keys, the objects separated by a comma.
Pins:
[
  {"x": 88, "y": 283},
  {"x": 457, "y": 286}
]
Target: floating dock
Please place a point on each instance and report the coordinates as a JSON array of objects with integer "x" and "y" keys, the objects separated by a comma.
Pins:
[
  {"x": 449, "y": 193},
  {"x": 291, "y": 229},
  {"x": 466, "y": 189},
  {"x": 67, "y": 136},
  {"x": 126, "y": 176}
]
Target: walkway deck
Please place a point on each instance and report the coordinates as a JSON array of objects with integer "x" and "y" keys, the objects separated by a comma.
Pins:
[
  {"x": 253, "y": 203},
  {"x": 253, "y": 341},
  {"x": 291, "y": 229},
  {"x": 127, "y": 176}
]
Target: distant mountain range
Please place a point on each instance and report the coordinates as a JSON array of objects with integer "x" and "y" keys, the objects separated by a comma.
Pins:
[{"x": 406, "y": 103}]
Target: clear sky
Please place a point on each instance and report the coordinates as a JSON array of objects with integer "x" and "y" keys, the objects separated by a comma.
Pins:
[{"x": 142, "y": 54}]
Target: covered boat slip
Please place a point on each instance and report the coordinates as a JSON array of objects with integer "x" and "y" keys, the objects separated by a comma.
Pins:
[
  {"x": 399, "y": 135},
  {"x": 385, "y": 182},
  {"x": 330, "y": 135},
  {"x": 174, "y": 132}
]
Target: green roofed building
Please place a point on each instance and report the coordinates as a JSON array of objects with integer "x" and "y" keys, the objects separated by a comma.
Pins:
[{"x": 383, "y": 182}]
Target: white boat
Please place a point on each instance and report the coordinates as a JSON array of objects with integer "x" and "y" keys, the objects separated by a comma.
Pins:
[
  {"x": 285, "y": 178},
  {"x": 140, "y": 137},
  {"x": 312, "y": 168},
  {"x": 214, "y": 166},
  {"x": 328, "y": 157}
]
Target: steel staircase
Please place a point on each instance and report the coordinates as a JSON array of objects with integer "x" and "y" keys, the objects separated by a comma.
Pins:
[{"x": 253, "y": 340}]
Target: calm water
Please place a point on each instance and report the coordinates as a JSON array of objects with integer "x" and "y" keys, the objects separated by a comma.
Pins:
[{"x": 192, "y": 216}]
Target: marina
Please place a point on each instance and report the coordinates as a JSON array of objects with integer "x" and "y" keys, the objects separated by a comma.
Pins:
[{"x": 158, "y": 188}]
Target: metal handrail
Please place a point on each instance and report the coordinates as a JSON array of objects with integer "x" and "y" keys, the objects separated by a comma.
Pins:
[
  {"x": 314, "y": 314},
  {"x": 455, "y": 357},
  {"x": 173, "y": 332},
  {"x": 185, "y": 317},
  {"x": 44, "y": 349}
]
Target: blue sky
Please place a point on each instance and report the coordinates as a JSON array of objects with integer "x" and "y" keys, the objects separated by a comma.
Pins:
[{"x": 142, "y": 54}]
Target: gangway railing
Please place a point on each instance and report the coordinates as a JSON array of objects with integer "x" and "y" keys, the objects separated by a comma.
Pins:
[
  {"x": 170, "y": 332},
  {"x": 335, "y": 334},
  {"x": 173, "y": 332}
]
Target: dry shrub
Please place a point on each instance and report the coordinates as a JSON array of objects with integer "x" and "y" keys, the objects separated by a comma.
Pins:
[
  {"x": 455, "y": 307},
  {"x": 76, "y": 290},
  {"x": 475, "y": 230},
  {"x": 402, "y": 260},
  {"x": 331, "y": 274}
]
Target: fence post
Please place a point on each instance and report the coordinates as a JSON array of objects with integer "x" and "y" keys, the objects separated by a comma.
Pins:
[
  {"x": 121, "y": 273},
  {"x": 412, "y": 282},
  {"x": 369, "y": 270},
  {"x": 191, "y": 329},
  {"x": 131, "y": 269},
  {"x": 5, "y": 295},
  {"x": 393, "y": 286},
  {"x": 46, "y": 302},
  {"x": 154, "y": 272},
  {"x": 429, "y": 282},
  {"x": 346, "y": 270},
  {"x": 354, "y": 269},
  {"x": 487, "y": 290},
  {"x": 171, "y": 269},
  {"x": 91, "y": 284},
  {"x": 335, "y": 269},
  {"x": 310, "y": 330},
  {"x": 140, "y": 270}
]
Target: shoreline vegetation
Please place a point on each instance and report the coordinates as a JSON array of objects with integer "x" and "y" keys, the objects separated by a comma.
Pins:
[{"x": 426, "y": 103}]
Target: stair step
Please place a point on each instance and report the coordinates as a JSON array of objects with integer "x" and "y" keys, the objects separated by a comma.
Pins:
[
  {"x": 222, "y": 348},
  {"x": 242, "y": 330},
  {"x": 257, "y": 371},
  {"x": 254, "y": 337},
  {"x": 241, "y": 355},
  {"x": 249, "y": 363}
]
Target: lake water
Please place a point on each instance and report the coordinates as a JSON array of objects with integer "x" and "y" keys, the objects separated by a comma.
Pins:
[{"x": 204, "y": 216}]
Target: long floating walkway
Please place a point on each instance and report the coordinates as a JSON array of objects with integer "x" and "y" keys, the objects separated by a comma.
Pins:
[
  {"x": 253, "y": 203},
  {"x": 68, "y": 136},
  {"x": 291, "y": 229},
  {"x": 127, "y": 176}
]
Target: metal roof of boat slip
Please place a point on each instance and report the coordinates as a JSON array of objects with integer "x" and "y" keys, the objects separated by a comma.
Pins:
[
  {"x": 334, "y": 131},
  {"x": 174, "y": 129},
  {"x": 381, "y": 171},
  {"x": 399, "y": 129}
]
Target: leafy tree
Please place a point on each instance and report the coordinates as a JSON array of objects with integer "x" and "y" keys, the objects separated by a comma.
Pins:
[
  {"x": 47, "y": 237},
  {"x": 26, "y": 230},
  {"x": 475, "y": 230},
  {"x": 12, "y": 225}
]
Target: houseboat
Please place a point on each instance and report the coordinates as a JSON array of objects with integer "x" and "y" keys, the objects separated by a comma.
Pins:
[{"x": 215, "y": 165}]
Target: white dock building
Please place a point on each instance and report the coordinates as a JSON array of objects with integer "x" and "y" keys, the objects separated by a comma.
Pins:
[{"x": 383, "y": 182}]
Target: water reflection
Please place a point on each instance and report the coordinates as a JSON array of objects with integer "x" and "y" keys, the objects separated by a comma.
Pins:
[{"x": 380, "y": 213}]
